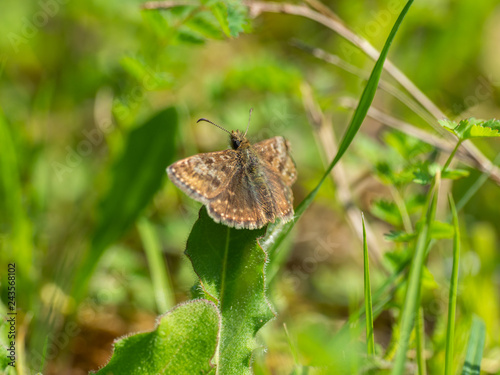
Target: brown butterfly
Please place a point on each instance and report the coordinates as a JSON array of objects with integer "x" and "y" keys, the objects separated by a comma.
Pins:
[{"x": 247, "y": 186}]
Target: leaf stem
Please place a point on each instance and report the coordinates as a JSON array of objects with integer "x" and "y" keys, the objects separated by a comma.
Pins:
[
  {"x": 400, "y": 203},
  {"x": 451, "y": 155}
]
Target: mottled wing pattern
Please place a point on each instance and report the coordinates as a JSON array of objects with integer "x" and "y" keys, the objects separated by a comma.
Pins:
[
  {"x": 282, "y": 195},
  {"x": 275, "y": 152},
  {"x": 237, "y": 205},
  {"x": 204, "y": 176}
]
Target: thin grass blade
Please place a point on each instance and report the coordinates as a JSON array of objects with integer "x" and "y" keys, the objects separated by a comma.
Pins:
[
  {"x": 370, "y": 340},
  {"x": 420, "y": 333},
  {"x": 452, "y": 301},
  {"x": 164, "y": 294}
]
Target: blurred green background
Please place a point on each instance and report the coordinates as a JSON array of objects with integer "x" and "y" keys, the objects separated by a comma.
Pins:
[{"x": 98, "y": 98}]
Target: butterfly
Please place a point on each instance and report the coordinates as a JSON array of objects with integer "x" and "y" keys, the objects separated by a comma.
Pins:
[{"x": 247, "y": 186}]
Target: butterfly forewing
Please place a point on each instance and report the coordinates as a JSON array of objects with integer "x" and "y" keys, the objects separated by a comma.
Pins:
[
  {"x": 204, "y": 176},
  {"x": 275, "y": 151}
]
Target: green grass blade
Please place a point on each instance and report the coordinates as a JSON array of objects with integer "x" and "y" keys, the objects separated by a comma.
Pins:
[
  {"x": 370, "y": 341},
  {"x": 279, "y": 231},
  {"x": 420, "y": 334},
  {"x": 159, "y": 271},
  {"x": 452, "y": 302},
  {"x": 472, "y": 364},
  {"x": 380, "y": 296},
  {"x": 412, "y": 298}
]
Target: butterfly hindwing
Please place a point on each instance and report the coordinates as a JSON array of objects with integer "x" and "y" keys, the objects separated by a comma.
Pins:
[
  {"x": 238, "y": 205},
  {"x": 276, "y": 152}
]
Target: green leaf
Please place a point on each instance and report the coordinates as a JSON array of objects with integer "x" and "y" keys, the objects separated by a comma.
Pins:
[
  {"x": 455, "y": 174},
  {"x": 183, "y": 342},
  {"x": 448, "y": 124},
  {"x": 237, "y": 14},
  {"x": 219, "y": 10},
  {"x": 390, "y": 176},
  {"x": 189, "y": 37},
  {"x": 472, "y": 128},
  {"x": 136, "y": 176},
  {"x": 277, "y": 232},
  {"x": 440, "y": 230},
  {"x": 399, "y": 236},
  {"x": 230, "y": 265},
  {"x": 407, "y": 146},
  {"x": 387, "y": 211},
  {"x": 204, "y": 24},
  {"x": 475, "y": 347},
  {"x": 424, "y": 172},
  {"x": 478, "y": 131},
  {"x": 414, "y": 203}
]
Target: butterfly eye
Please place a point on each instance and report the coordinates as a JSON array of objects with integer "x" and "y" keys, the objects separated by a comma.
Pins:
[{"x": 236, "y": 143}]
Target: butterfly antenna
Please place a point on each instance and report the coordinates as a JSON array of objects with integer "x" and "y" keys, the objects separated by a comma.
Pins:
[
  {"x": 249, "y": 117},
  {"x": 220, "y": 127}
]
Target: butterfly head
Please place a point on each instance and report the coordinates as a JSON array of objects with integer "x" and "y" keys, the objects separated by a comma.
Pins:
[{"x": 238, "y": 140}]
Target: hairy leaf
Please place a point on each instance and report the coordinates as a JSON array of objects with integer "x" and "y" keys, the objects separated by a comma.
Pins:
[
  {"x": 230, "y": 265},
  {"x": 183, "y": 342}
]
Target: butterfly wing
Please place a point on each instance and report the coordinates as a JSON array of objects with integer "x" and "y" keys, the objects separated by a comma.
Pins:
[
  {"x": 239, "y": 205},
  {"x": 204, "y": 176},
  {"x": 276, "y": 152}
]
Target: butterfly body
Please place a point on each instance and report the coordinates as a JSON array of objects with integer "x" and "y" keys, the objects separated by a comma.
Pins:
[{"x": 247, "y": 186}]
